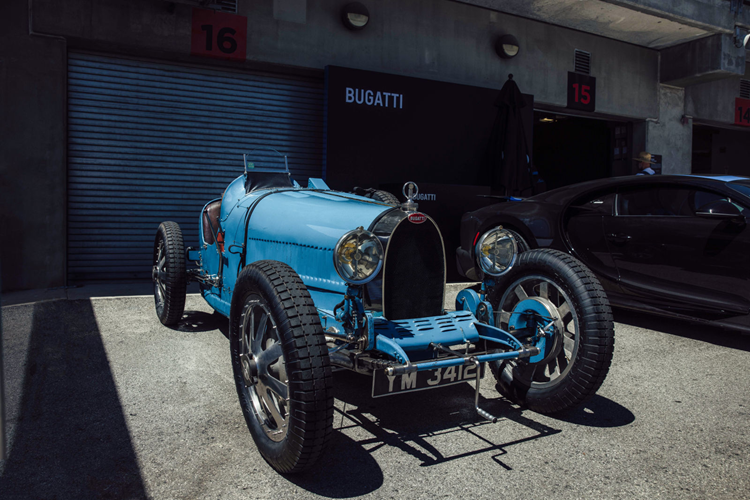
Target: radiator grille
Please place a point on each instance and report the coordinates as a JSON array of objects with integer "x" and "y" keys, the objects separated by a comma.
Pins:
[{"x": 414, "y": 272}]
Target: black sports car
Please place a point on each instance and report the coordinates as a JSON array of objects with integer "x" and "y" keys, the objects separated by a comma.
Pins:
[{"x": 668, "y": 244}]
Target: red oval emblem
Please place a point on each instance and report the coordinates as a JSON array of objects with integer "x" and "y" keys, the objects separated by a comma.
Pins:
[{"x": 417, "y": 218}]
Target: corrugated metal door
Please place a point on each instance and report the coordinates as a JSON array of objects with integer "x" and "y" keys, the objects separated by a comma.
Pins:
[{"x": 150, "y": 141}]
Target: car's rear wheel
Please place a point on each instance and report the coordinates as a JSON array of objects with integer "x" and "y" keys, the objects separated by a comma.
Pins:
[
  {"x": 281, "y": 366},
  {"x": 580, "y": 354},
  {"x": 168, "y": 273}
]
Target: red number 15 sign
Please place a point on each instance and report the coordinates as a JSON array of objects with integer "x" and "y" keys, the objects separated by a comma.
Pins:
[
  {"x": 220, "y": 35},
  {"x": 581, "y": 91}
]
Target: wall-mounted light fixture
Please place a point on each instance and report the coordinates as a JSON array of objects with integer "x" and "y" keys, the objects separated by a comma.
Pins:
[
  {"x": 740, "y": 38},
  {"x": 507, "y": 46},
  {"x": 355, "y": 16}
]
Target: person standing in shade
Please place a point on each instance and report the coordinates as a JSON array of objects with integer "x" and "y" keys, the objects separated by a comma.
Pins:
[{"x": 644, "y": 164}]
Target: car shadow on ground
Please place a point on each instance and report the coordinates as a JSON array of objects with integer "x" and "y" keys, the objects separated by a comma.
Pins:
[
  {"x": 414, "y": 423},
  {"x": 346, "y": 470},
  {"x": 201, "y": 322},
  {"x": 597, "y": 412},
  {"x": 70, "y": 438},
  {"x": 408, "y": 421},
  {"x": 683, "y": 328}
]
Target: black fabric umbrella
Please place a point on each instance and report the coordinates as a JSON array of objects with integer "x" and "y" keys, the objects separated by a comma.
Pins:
[{"x": 508, "y": 170}]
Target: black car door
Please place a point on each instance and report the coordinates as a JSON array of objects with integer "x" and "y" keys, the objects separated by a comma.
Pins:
[
  {"x": 672, "y": 254},
  {"x": 584, "y": 230}
]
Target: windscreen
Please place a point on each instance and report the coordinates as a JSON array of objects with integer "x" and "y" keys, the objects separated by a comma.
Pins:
[{"x": 741, "y": 186}]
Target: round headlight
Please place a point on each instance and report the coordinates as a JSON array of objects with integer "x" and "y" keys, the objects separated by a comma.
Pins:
[
  {"x": 496, "y": 251},
  {"x": 358, "y": 256}
]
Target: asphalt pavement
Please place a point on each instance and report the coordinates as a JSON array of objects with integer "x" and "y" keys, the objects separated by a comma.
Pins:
[{"x": 102, "y": 401}]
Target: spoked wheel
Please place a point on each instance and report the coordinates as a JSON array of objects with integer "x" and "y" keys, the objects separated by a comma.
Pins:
[
  {"x": 264, "y": 369},
  {"x": 281, "y": 366},
  {"x": 168, "y": 273},
  {"x": 555, "y": 307},
  {"x": 564, "y": 296}
]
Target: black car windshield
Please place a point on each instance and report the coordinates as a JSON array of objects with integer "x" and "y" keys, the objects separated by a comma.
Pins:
[{"x": 741, "y": 186}]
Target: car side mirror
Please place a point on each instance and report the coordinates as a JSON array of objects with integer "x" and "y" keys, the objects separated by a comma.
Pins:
[{"x": 720, "y": 209}]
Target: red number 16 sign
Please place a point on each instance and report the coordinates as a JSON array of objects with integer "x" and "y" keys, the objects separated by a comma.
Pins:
[{"x": 220, "y": 35}]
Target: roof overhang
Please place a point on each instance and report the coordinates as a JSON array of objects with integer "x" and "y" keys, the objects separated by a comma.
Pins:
[{"x": 655, "y": 24}]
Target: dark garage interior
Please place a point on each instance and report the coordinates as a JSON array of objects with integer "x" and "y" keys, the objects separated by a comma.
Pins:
[{"x": 570, "y": 149}]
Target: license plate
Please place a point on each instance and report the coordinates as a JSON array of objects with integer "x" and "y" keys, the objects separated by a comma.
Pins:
[{"x": 384, "y": 385}]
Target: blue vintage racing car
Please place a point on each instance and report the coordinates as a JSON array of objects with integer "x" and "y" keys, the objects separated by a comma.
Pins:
[{"x": 311, "y": 279}]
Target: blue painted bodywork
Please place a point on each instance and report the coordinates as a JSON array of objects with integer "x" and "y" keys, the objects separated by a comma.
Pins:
[
  {"x": 297, "y": 226},
  {"x": 300, "y": 227}
]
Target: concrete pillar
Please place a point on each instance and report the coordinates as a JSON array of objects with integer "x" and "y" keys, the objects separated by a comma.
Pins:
[
  {"x": 32, "y": 153},
  {"x": 671, "y": 135}
]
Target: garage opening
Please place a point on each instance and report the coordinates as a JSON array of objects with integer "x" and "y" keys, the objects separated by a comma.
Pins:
[
  {"x": 570, "y": 149},
  {"x": 720, "y": 151}
]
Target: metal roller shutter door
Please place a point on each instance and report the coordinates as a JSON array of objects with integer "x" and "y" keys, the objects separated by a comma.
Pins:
[{"x": 150, "y": 141}]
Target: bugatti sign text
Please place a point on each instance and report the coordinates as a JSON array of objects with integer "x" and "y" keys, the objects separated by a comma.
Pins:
[{"x": 374, "y": 98}]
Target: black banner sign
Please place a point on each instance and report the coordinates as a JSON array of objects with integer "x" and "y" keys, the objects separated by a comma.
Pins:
[{"x": 383, "y": 128}]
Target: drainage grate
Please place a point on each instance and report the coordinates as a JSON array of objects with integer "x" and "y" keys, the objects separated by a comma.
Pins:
[
  {"x": 745, "y": 89},
  {"x": 583, "y": 62}
]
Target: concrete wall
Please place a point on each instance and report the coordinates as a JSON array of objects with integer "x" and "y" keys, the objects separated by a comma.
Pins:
[
  {"x": 32, "y": 154},
  {"x": 434, "y": 39},
  {"x": 670, "y": 136},
  {"x": 712, "y": 58},
  {"x": 714, "y": 15},
  {"x": 714, "y": 104},
  {"x": 714, "y": 101},
  {"x": 439, "y": 40}
]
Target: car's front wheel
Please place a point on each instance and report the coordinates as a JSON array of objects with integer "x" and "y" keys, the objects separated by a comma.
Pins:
[
  {"x": 281, "y": 366},
  {"x": 561, "y": 290}
]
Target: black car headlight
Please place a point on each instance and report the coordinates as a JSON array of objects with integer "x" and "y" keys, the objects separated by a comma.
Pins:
[
  {"x": 358, "y": 256},
  {"x": 496, "y": 251}
]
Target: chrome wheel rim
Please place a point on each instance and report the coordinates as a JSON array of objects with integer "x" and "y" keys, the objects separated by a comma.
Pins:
[
  {"x": 158, "y": 275},
  {"x": 555, "y": 300},
  {"x": 263, "y": 370}
]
